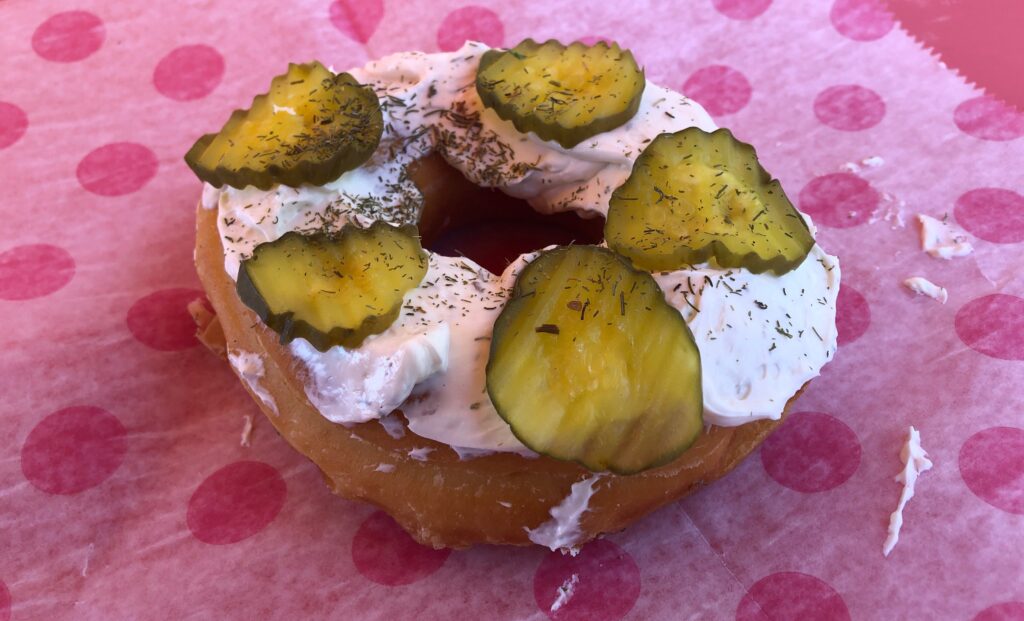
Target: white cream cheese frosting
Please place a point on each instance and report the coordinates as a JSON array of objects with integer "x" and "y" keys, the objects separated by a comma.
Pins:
[
  {"x": 941, "y": 239},
  {"x": 922, "y": 286},
  {"x": 761, "y": 336},
  {"x": 915, "y": 461},
  {"x": 249, "y": 367},
  {"x": 563, "y": 530}
]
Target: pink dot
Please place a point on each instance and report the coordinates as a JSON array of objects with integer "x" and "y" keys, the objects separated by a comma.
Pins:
[
  {"x": 839, "y": 200},
  {"x": 861, "y": 20},
  {"x": 13, "y": 123},
  {"x": 992, "y": 214},
  {"x": 811, "y": 452},
  {"x": 33, "y": 271},
  {"x": 992, "y": 466},
  {"x": 720, "y": 89},
  {"x": 357, "y": 19},
  {"x": 993, "y": 325},
  {"x": 236, "y": 502},
  {"x": 73, "y": 450},
  {"x": 117, "y": 168},
  {"x": 386, "y": 554},
  {"x": 791, "y": 596},
  {"x": 5, "y": 602},
  {"x": 989, "y": 119},
  {"x": 741, "y": 9},
  {"x": 161, "y": 319},
  {"x": 853, "y": 314},
  {"x": 1006, "y": 611},
  {"x": 189, "y": 72},
  {"x": 849, "y": 107},
  {"x": 67, "y": 37},
  {"x": 470, "y": 23},
  {"x": 606, "y": 586}
]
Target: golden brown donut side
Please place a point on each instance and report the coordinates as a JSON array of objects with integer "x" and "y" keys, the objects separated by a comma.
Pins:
[{"x": 443, "y": 501}]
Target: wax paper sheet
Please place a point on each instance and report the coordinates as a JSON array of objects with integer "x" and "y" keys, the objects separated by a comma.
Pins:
[{"x": 126, "y": 493}]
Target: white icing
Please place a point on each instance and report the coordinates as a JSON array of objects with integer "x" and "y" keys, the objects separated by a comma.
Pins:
[
  {"x": 563, "y": 529},
  {"x": 915, "y": 461},
  {"x": 941, "y": 239},
  {"x": 249, "y": 367},
  {"x": 432, "y": 362},
  {"x": 357, "y": 385},
  {"x": 420, "y": 454},
  {"x": 923, "y": 286},
  {"x": 565, "y": 592},
  {"x": 393, "y": 425},
  {"x": 874, "y": 161},
  {"x": 384, "y": 468},
  {"x": 760, "y": 338},
  {"x": 246, "y": 431}
]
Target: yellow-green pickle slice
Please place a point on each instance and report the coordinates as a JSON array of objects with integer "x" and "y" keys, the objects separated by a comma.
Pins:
[
  {"x": 565, "y": 94},
  {"x": 589, "y": 363},
  {"x": 333, "y": 289},
  {"x": 311, "y": 127},
  {"x": 694, "y": 195}
]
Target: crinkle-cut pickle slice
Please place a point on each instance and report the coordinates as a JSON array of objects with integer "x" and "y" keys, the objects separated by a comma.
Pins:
[
  {"x": 693, "y": 195},
  {"x": 565, "y": 94},
  {"x": 333, "y": 289},
  {"x": 589, "y": 363},
  {"x": 311, "y": 127}
]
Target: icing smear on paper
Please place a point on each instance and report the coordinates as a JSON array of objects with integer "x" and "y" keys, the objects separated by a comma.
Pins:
[
  {"x": 915, "y": 461},
  {"x": 246, "y": 431},
  {"x": 562, "y": 531},
  {"x": 565, "y": 592},
  {"x": 923, "y": 286},
  {"x": 941, "y": 239}
]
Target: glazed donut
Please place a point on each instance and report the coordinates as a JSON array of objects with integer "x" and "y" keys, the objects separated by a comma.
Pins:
[{"x": 401, "y": 417}]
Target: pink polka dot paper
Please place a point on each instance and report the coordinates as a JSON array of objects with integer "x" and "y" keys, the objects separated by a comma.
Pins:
[{"x": 128, "y": 495}]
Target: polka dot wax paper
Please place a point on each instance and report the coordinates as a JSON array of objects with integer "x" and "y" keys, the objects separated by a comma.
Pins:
[{"x": 127, "y": 493}]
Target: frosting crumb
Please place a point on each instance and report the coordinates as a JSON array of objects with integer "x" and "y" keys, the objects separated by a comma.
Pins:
[
  {"x": 420, "y": 454},
  {"x": 246, "y": 431},
  {"x": 915, "y": 461},
  {"x": 565, "y": 592},
  {"x": 923, "y": 286},
  {"x": 941, "y": 239}
]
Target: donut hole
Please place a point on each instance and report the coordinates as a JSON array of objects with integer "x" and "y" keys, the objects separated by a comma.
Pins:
[{"x": 461, "y": 219}]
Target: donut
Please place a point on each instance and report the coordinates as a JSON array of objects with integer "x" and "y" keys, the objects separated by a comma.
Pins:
[{"x": 437, "y": 404}]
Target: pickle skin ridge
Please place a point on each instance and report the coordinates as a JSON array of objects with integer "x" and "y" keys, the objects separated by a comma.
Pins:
[
  {"x": 503, "y": 319},
  {"x": 726, "y": 258},
  {"x": 304, "y": 171},
  {"x": 289, "y": 328},
  {"x": 566, "y": 137}
]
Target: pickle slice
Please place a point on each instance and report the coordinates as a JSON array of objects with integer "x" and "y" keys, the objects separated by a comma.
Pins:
[
  {"x": 310, "y": 127},
  {"x": 693, "y": 195},
  {"x": 565, "y": 94},
  {"x": 333, "y": 289},
  {"x": 589, "y": 363}
]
